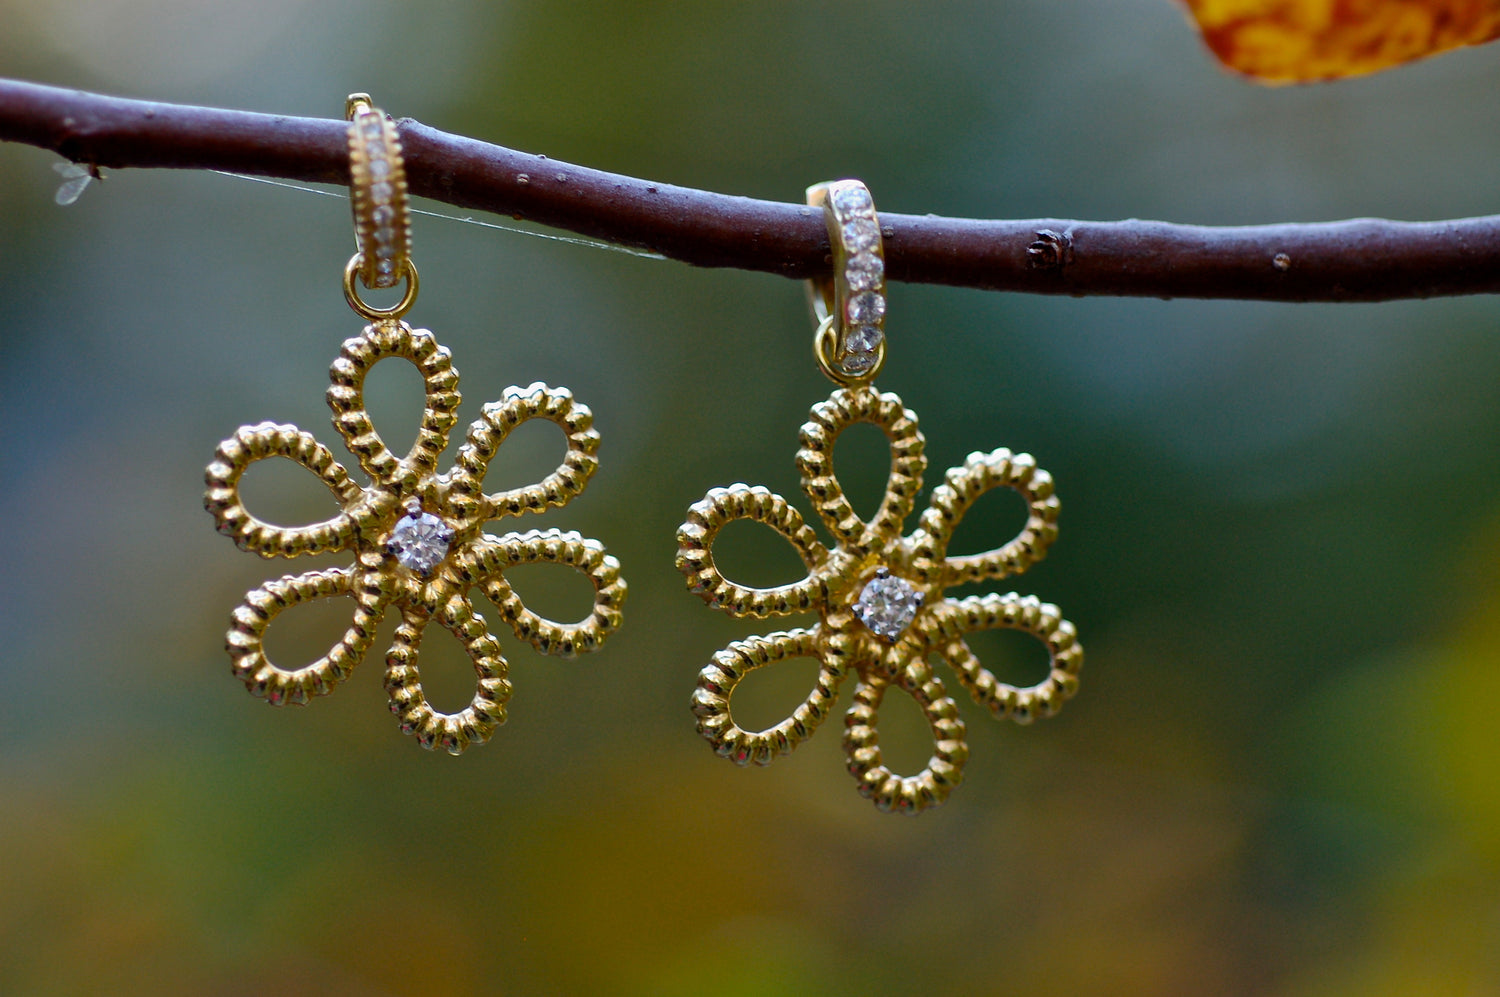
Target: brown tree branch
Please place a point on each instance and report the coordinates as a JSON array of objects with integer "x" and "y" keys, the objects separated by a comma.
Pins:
[{"x": 1358, "y": 260}]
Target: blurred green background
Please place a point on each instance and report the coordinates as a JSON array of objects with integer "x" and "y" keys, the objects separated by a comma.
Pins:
[{"x": 1279, "y": 536}]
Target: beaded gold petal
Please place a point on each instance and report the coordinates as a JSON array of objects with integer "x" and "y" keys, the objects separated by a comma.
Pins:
[
  {"x": 719, "y": 508},
  {"x": 252, "y": 443},
  {"x": 943, "y": 630},
  {"x": 944, "y": 770},
  {"x": 491, "y": 558},
  {"x": 843, "y": 409},
  {"x": 486, "y": 434},
  {"x": 879, "y": 599},
  {"x": 250, "y": 619},
  {"x": 346, "y": 397},
  {"x": 983, "y": 472},
  {"x": 717, "y": 682},
  {"x": 417, "y": 537},
  {"x": 403, "y": 678}
]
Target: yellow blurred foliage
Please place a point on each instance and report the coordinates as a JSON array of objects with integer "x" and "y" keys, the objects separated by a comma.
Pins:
[{"x": 1300, "y": 41}]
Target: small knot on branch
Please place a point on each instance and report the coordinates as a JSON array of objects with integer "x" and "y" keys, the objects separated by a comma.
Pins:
[{"x": 1051, "y": 250}]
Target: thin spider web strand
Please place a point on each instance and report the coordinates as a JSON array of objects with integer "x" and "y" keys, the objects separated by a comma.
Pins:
[{"x": 571, "y": 240}]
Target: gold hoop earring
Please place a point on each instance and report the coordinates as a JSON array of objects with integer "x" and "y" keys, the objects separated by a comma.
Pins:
[
  {"x": 417, "y": 536},
  {"x": 879, "y": 596}
]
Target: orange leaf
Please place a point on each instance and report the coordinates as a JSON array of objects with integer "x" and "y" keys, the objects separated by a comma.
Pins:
[{"x": 1297, "y": 41}]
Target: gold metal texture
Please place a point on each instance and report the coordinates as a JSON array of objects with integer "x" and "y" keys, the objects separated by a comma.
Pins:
[
  {"x": 378, "y": 196},
  {"x": 367, "y": 526},
  {"x": 833, "y": 584}
]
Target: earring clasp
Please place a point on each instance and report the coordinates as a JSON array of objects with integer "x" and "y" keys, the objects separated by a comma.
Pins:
[
  {"x": 378, "y": 198},
  {"x": 849, "y": 305}
]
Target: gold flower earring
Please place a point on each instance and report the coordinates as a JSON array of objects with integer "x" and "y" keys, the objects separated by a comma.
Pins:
[
  {"x": 878, "y": 595},
  {"x": 417, "y": 536}
]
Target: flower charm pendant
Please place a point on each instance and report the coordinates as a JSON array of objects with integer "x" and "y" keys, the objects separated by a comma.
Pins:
[
  {"x": 417, "y": 537},
  {"x": 879, "y": 598}
]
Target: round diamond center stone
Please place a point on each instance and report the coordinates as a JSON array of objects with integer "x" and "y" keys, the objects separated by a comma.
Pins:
[
  {"x": 420, "y": 541},
  {"x": 887, "y": 605}
]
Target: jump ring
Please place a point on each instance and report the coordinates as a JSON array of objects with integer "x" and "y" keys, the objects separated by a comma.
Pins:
[
  {"x": 368, "y": 311},
  {"x": 825, "y": 349}
]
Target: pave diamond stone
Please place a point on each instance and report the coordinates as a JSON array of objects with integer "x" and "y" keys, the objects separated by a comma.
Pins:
[
  {"x": 865, "y": 308},
  {"x": 863, "y": 339},
  {"x": 864, "y": 272},
  {"x": 857, "y": 363},
  {"x": 860, "y": 234},
  {"x": 887, "y": 605},
  {"x": 853, "y": 200},
  {"x": 420, "y": 541}
]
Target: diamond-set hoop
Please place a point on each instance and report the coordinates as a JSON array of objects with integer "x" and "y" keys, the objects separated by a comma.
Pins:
[
  {"x": 378, "y": 195},
  {"x": 850, "y": 305}
]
